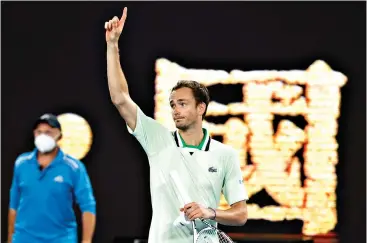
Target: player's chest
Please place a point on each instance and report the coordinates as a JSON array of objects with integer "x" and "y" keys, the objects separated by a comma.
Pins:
[
  {"x": 207, "y": 168},
  {"x": 210, "y": 163}
]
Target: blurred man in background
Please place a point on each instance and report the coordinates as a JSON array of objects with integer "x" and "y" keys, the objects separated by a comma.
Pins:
[{"x": 45, "y": 183}]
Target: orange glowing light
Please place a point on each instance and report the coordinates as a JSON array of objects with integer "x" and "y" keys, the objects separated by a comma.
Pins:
[{"x": 77, "y": 135}]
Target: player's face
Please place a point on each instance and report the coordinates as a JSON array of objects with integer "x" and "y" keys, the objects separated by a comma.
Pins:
[{"x": 185, "y": 111}]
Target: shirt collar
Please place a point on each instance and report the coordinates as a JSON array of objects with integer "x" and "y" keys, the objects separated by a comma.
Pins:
[
  {"x": 204, "y": 144},
  {"x": 59, "y": 156}
]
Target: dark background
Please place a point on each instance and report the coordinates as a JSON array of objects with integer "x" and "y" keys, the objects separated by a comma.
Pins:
[{"x": 53, "y": 60}]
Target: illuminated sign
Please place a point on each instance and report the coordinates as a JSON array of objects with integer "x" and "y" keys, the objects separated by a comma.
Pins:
[
  {"x": 314, "y": 94},
  {"x": 76, "y": 135}
]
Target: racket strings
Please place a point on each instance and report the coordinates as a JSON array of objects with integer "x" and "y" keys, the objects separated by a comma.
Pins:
[
  {"x": 223, "y": 238},
  {"x": 213, "y": 236}
]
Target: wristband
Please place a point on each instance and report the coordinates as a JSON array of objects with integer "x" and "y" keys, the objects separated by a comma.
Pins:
[{"x": 215, "y": 213}]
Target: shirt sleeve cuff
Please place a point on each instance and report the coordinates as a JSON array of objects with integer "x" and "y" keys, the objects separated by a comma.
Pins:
[
  {"x": 236, "y": 200},
  {"x": 138, "y": 123},
  {"x": 89, "y": 208},
  {"x": 13, "y": 207}
]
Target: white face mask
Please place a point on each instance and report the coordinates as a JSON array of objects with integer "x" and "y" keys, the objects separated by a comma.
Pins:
[{"x": 44, "y": 143}]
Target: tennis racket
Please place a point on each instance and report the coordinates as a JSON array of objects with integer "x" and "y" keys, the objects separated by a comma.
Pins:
[{"x": 209, "y": 234}]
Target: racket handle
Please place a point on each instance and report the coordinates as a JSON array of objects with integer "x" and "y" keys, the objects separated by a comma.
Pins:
[
  {"x": 184, "y": 198},
  {"x": 179, "y": 187}
]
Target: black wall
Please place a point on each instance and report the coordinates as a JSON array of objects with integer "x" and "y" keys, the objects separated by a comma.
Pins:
[{"x": 53, "y": 60}]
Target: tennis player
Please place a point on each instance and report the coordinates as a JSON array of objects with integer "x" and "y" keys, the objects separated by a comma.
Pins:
[
  {"x": 45, "y": 184},
  {"x": 206, "y": 167}
]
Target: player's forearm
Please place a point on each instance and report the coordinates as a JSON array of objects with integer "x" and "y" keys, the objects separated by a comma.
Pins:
[
  {"x": 117, "y": 83},
  {"x": 234, "y": 216},
  {"x": 89, "y": 223},
  {"x": 11, "y": 222}
]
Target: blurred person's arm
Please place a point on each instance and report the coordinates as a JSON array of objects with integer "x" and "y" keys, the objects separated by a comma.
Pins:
[
  {"x": 13, "y": 204},
  {"x": 11, "y": 222},
  {"x": 89, "y": 223},
  {"x": 117, "y": 83},
  {"x": 85, "y": 199}
]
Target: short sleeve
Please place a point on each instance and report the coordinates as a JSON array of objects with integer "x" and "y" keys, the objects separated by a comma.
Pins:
[
  {"x": 234, "y": 188},
  {"x": 152, "y": 135}
]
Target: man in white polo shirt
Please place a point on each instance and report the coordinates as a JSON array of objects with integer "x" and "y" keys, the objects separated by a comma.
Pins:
[{"x": 205, "y": 167}]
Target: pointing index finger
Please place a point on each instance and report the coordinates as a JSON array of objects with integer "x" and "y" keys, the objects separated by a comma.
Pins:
[{"x": 124, "y": 14}]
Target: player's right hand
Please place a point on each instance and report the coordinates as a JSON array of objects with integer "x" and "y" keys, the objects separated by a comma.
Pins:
[{"x": 114, "y": 27}]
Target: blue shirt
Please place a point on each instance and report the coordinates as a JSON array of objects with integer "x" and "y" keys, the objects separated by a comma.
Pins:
[{"x": 44, "y": 199}]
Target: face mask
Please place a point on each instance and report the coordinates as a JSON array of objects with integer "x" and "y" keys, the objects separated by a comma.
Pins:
[{"x": 44, "y": 143}]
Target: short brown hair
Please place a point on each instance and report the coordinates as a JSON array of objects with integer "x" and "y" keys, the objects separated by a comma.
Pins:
[{"x": 200, "y": 92}]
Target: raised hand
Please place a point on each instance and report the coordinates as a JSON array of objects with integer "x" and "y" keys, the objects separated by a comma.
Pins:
[{"x": 114, "y": 27}]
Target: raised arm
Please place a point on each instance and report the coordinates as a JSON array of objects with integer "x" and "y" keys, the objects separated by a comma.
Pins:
[
  {"x": 117, "y": 83},
  {"x": 151, "y": 135}
]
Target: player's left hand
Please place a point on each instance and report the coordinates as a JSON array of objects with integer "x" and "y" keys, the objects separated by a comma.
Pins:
[{"x": 195, "y": 210}]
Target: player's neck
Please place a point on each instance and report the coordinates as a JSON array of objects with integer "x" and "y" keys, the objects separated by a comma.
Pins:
[{"x": 192, "y": 136}]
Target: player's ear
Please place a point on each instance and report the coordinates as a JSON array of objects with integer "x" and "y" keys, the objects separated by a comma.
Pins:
[{"x": 201, "y": 108}]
